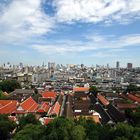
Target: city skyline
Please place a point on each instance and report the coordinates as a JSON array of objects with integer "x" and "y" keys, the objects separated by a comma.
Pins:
[
  {"x": 117, "y": 65},
  {"x": 70, "y": 32}
]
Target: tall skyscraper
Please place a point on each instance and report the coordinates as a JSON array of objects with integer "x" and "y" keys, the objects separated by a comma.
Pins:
[
  {"x": 117, "y": 64},
  {"x": 20, "y": 65},
  {"x": 129, "y": 65},
  {"x": 51, "y": 65}
]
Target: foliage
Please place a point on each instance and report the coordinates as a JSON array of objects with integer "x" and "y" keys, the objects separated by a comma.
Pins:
[
  {"x": 35, "y": 91},
  {"x": 6, "y": 126},
  {"x": 29, "y": 119},
  {"x": 9, "y": 85},
  {"x": 2, "y": 96},
  {"x": 78, "y": 133},
  {"x": 125, "y": 132},
  {"x": 94, "y": 90},
  {"x": 132, "y": 88},
  {"x": 60, "y": 129},
  {"x": 31, "y": 132},
  {"x": 67, "y": 129},
  {"x": 133, "y": 117}
]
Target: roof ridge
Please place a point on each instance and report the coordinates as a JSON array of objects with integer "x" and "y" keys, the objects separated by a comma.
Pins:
[
  {"x": 25, "y": 100},
  {"x": 55, "y": 105}
]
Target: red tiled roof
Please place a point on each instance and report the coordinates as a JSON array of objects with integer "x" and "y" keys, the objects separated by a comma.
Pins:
[
  {"x": 49, "y": 94},
  {"x": 81, "y": 89},
  {"x": 29, "y": 105},
  {"x": 8, "y": 106},
  {"x": 134, "y": 98},
  {"x": 43, "y": 108},
  {"x": 54, "y": 109},
  {"x": 125, "y": 106},
  {"x": 48, "y": 120},
  {"x": 103, "y": 100}
]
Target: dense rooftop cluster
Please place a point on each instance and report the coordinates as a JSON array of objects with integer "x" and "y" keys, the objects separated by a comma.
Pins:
[{"x": 94, "y": 94}]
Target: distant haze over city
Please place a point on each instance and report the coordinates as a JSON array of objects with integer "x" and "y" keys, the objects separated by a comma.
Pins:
[
  {"x": 70, "y": 32},
  {"x": 117, "y": 64}
]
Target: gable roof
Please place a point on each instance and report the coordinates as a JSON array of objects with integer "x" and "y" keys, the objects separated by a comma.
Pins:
[
  {"x": 54, "y": 110},
  {"x": 8, "y": 106},
  {"x": 29, "y": 105},
  {"x": 103, "y": 100},
  {"x": 22, "y": 91},
  {"x": 126, "y": 105},
  {"x": 43, "y": 108},
  {"x": 79, "y": 89},
  {"x": 49, "y": 94},
  {"x": 134, "y": 98}
]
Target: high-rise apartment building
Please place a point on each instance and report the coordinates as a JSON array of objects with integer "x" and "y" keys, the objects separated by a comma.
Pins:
[
  {"x": 117, "y": 64},
  {"x": 129, "y": 65}
]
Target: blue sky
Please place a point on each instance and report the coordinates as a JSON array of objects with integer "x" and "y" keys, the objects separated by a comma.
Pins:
[{"x": 70, "y": 31}]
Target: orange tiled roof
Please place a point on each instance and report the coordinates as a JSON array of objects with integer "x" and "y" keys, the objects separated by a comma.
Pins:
[
  {"x": 43, "y": 108},
  {"x": 8, "y": 106},
  {"x": 49, "y": 94},
  {"x": 54, "y": 109},
  {"x": 81, "y": 89},
  {"x": 103, "y": 100},
  {"x": 48, "y": 120},
  {"x": 29, "y": 105},
  {"x": 134, "y": 98},
  {"x": 124, "y": 106}
]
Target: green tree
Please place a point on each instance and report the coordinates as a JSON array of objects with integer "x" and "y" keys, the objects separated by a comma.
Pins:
[
  {"x": 93, "y": 90},
  {"x": 9, "y": 85},
  {"x": 133, "y": 117},
  {"x": 78, "y": 133},
  {"x": 132, "y": 88},
  {"x": 59, "y": 129},
  {"x": 29, "y": 119},
  {"x": 2, "y": 96},
  {"x": 123, "y": 131},
  {"x": 31, "y": 132},
  {"x": 6, "y": 126},
  {"x": 91, "y": 130}
]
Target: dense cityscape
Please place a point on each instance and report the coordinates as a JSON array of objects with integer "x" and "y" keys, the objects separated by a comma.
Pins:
[{"x": 101, "y": 94}]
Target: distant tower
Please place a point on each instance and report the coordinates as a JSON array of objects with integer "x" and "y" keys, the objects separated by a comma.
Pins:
[
  {"x": 117, "y": 64},
  {"x": 20, "y": 65},
  {"x": 43, "y": 65},
  {"x": 82, "y": 66},
  {"x": 129, "y": 65},
  {"x": 51, "y": 68},
  {"x": 51, "y": 65},
  {"x": 107, "y": 65}
]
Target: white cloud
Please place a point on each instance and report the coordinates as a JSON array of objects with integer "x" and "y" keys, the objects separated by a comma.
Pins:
[
  {"x": 22, "y": 19},
  {"x": 97, "y": 10},
  {"x": 97, "y": 44}
]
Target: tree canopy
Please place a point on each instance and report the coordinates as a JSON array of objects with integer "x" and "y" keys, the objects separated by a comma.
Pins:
[
  {"x": 29, "y": 119},
  {"x": 66, "y": 129},
  {"x": 6, "y": 126},
  {"x": 31, "y": 132},
  {"x": 94, "y": 90},
  {"x": 9, "y": 85}
]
